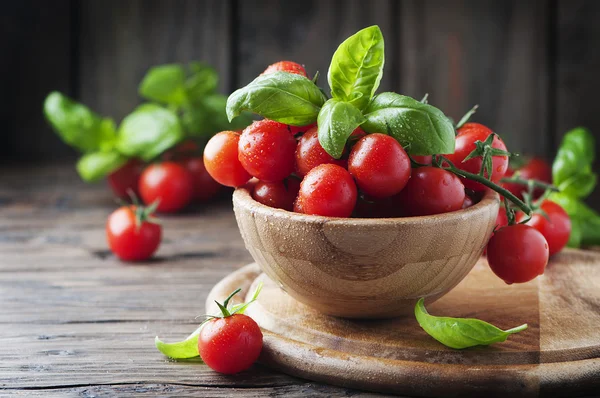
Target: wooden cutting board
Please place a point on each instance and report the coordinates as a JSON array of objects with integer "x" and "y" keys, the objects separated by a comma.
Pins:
[{"x": 558, "y": 355}]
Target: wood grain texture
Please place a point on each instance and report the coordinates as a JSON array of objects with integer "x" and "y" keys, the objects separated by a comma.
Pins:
[
  {"x": 577, "y": 65},
  {"x": 558, "y": 355},
  {"x": 36, "y": 46},
  {"x": 307, "y": 32},
  {"x": 120, "y": 40},
  {"x": 491, "y": 53},
  {"x": 76, "y": 322},
  {"x": 365, "y": 268}
]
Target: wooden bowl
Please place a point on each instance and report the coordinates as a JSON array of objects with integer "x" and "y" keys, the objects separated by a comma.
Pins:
[{"x": 365, "y": 268}]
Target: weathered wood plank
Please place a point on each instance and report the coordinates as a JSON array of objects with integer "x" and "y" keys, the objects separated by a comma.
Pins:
[
  {"x": 489, "y": 53},
  {"x": 120, "y": 40},
  {"x": 35, "y": 42},
  {"x": 577, "y": 66},
  {"x": 307, "y": 32}
]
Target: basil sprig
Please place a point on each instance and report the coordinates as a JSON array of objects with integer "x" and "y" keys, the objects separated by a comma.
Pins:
[
  {"x": 354, "y": 75},
  {"x": 461, "y": 333},
  {"x": 573, "y": 175}
]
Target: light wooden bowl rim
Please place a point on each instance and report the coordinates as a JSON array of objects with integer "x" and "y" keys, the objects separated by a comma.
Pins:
[{"x": 243, "y": 198}]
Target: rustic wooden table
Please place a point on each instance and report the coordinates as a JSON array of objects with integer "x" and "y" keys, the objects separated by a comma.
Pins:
[{"x": 75, "y": 321}]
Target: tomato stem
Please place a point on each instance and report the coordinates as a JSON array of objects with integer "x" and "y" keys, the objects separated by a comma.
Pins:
[{"x": 515, "y": 179}]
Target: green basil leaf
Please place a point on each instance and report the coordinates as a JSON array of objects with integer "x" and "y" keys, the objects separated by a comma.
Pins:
[
  {"x": 203, "y": 80},
  {"x": 207, "y": 117},
  {"x": 164, "y": 83},
  {"x": 148, "y": 131},
  {"x": 572, "y": 166},
  {"x": 77, "y": 125},
  {"x": 184, "y": 349},
  {"x": 94, "y": 166},
  {"x": 285, "y": 97},
  {"x": 357, "y": 67},
  {"x": 461, "y": 333},
  {"x": 422, "y": 129},
  {"x": 337, "y": 120}
]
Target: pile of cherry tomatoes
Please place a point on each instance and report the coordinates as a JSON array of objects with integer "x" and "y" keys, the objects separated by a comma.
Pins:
[{"x": 377, "y": 178}]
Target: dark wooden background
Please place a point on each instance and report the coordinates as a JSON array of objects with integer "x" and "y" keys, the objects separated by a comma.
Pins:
[{"x": 531, "y": 65}]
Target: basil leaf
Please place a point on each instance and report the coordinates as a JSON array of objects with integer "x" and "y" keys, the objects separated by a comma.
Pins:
[
  {"x": 94, "y": 166},
  {"x": 461, "y": 333},
  {"x": 202, "y": 81},
  {"x": 148, "y": 131},
  {"x": 285, "y": 97},
  {"x": 164, "y": 83},
  {"x": 572, "y": 167},
  {"x": 184, "y": 349},
  {"x": 208, "y": 117},
  {"x": 422, "y": 129},
  {"x": 77, "y": 125},
  {"x": 337, "y": 120},
  {"x": 357, "y": 67}
]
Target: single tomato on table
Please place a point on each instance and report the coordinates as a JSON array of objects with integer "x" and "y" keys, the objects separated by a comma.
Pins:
[
  {"x": 169, "y": 184},
  {"x": 133, "y": 233}
]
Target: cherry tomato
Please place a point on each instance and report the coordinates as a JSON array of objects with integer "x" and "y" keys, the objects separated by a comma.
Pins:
[
  {"x": 430, "y": 190},
  {"x": 205, "y": 187},
  {"x": 556, "y": 228},
  {"x": 126, "y": 178},
  {"x": 230, "y": 345},
  {"x": 169, "y": 183},
  {"x": 131, "y": 238},
  {"x": 517, "y": 253},
  {"x": 310, "y": 153},
  {"x": 465, "y": 144},
  {"x": 380, "y": 165},
  {"x": 327, "y": 190},
  {"x": 266, "y": 150},
  {"x": 286, "y": 66},
  {"x": 280, "y": 194},
  {"x": 301, "y": 129},
  {"x": 221, "y": 160},
  {"x": 535, "y": 169}
]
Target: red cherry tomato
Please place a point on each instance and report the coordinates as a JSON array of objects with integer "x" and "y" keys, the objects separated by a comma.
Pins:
[
  {"x": 327, "y": 190},
  {"x": 286, "y": 66},
  {"x": 465, "y": 144},
  {"x": 380, "y": 165},
  {"x": 280, "y": 194},
  {"x": 205, "y": 187},
  {"x": 431, "y": 190},
  {"x": 556, "y": 228},
  {"x": 517, "y": 253},
  {"x": 536, "y": 169},
  {"x": 131, "y": 239},
  {"x": 301, "y": 129},
  {"x": 230, "y": 345},
  {"x": 310, "y": 153},
  {"x": 221, "y": 160},
  {"x": 169, "y": 183},
  {"x": 266, "y": 150},
  {"x": 126, "y": 179}
]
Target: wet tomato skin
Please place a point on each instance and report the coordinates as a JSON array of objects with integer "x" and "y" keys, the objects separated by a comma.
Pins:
[
  {"x": 127, "y": 240},
  {"x": 280, "y": 194},
  {"x": 266, "y": 150},
  {"x": 169, "y": 183},
  {"x": 379, "y": 165},
  {"x": 310, "y": 154},
  {"x": 221, "y": 160},
  {"x": 465, "y": 144},
  {"x": 327, "y": 190},
  {"x": 230, "y": 345},
  {"x": 517, "y": 253},
  {"x": 556, "y": 228},
  {"x": 430, "y": 190}
]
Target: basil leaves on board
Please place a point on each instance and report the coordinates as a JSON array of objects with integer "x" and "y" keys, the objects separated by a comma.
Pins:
[{"x": 461, "y": 333}]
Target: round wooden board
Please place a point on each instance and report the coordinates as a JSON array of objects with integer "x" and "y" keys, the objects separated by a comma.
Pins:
[{"x": 558, "y": 355}]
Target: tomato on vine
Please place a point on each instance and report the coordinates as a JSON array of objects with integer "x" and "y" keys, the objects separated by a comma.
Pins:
[
  {"x": 133, "y": 233},
  {"x": 553, "y": 222},
  {"x": 221, "y": 160}
]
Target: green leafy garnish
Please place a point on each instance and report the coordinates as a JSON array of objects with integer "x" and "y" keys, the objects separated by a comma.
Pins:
[
  {"x": 148, "y": 131},
  {"x": 337, "y": 120},
  {"x": 77, "y": 125},
  {"x": 357, "y": 67},
  {"x": 421, "y": 128},
  {"x": 188, "y": 348},
  {"x": 164, "y": 83},
  {"x": 461, "y": 333},
  {"x": 285, "y": 97},
  {"x": 94, "y": 166}
]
